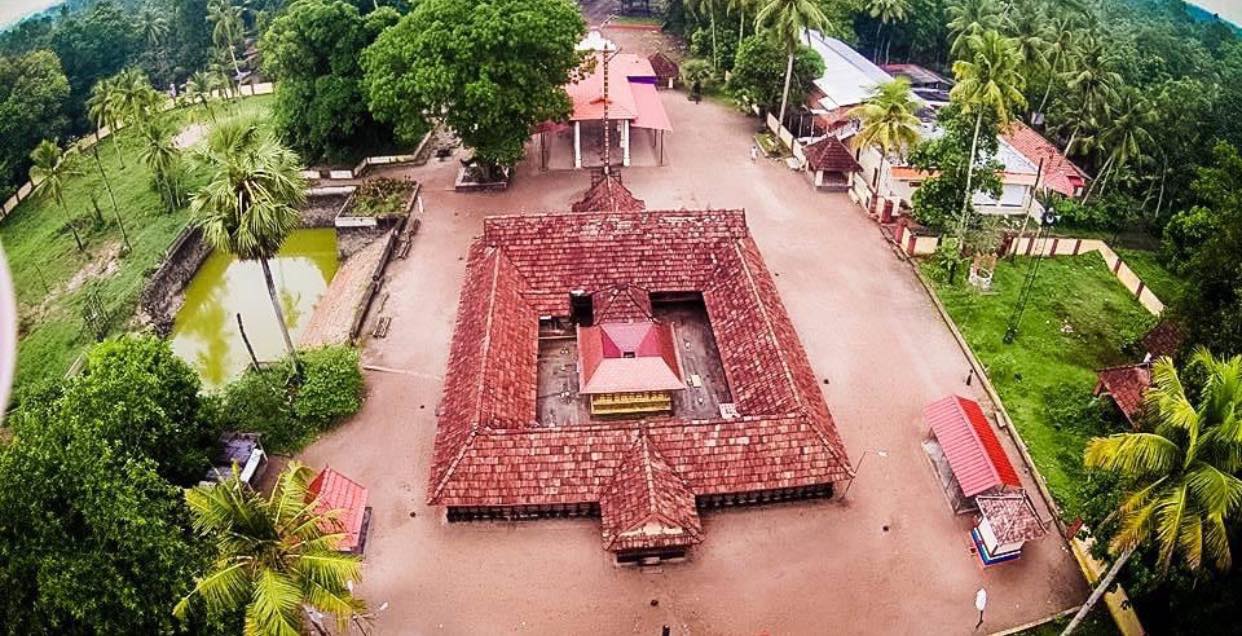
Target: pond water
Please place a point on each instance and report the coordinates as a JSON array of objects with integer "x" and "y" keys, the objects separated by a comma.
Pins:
[{"x": 205, "y": 330}]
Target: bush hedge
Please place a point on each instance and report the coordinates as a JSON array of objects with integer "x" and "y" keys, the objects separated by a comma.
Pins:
[{"x": 289, "y": 411}]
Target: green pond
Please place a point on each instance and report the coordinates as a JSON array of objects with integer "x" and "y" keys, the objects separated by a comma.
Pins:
[{"x": 205, "y": 330}]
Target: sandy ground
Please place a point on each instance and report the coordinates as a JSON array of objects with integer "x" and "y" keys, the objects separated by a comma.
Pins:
[
  {"x": 189, "y": 136},
  {"x": 890, "y": 558}
]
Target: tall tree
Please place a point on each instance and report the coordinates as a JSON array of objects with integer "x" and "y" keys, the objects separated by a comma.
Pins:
[
  {"x": 1125, "y": 135},
  {"x": 1091, "y": 80},
  {"x": 492, "y": 70},
  {"x": 33, "y": 91},
  {"x": 888, "y": 120},
  {"x": 708, "y": 7},
  {"x": 275, "y": 555},
  {"x": 971, "y": 18},
  {"x": 886, "y": 12},
  {"x": 199, "y": 88},
  {"x": 787, "y": 21},
  {"x": 988, "y": 84},
  {"x": 99, "y": 109},
  {"x": 759, "y": 69},
  {"x": 51, "y": 169},
  {"x": 248, "y": 206},
  {"x": 1059, "y": 39},
  {"x": 1181, "y": 478},
  {"x": 226, "y": 30},
  {"x": 161, "y": 156}
]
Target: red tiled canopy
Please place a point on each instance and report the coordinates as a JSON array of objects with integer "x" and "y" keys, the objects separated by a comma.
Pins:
[
  {"x": 830, "y": 155},
  {"x": 628, "y": 358},
  {"x": 491, "y": 451},
  {"x": 1127, "y": 385},
  {"x": 975, "y": 454},
  {"x": 341, "y": 496}
]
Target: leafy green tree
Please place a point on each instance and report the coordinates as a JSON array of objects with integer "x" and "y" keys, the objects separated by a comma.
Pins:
[
  {"x": 1180, "y": 473},
  {"x": 99, "y": 109},
  {"x": 886, "y": 12},
  {"x": 705, "y": 45},
  {"x": 1125, "y": 136},
  {"x": 787, "y": 21},
  {"x": 136, "y": 391},
  {"x": 275, "y": 555},
  {"x": 989, "y": 84},
  {"x": 312, "y": 51},
  {"x": 33, "y": 90},
  {"x": 1212, "y": 303},
  {"x": 249, "y": 205},
  {"x": 947, "y": 159},
  {"x": 700, "y": 8},
  {"x": 888, "y": 120},
  {"x": 492, "y": 70},
  {"x": 759, "y": 69},
  {"x": 94, "y": 44},
  {"x": 52, "y": 167},
  {"x": 92, "y": 540},
  {"x": 1091, "y": 81},
  {"x": 1059, "y": 38}
]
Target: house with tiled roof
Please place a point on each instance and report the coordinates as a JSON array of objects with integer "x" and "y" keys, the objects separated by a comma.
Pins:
[
  {"x": 1059, "y": 173},
  {"x": 549, "y": 298}
]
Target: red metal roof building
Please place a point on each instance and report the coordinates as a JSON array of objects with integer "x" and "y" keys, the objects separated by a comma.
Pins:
[
  {"x": 1060, "y": 174},
  {"x": 973, "y": 451},
  {"x": 1127, "y": 385},
  {"x": 646, "y": 478},
  {"x": 346, "y": 502}
]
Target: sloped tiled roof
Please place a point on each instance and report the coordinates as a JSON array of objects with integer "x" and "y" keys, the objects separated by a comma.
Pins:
[
  {"x": 343, "y": 497},
  {"x": 663, "y": 65},
  {"x": 1127, "y": 385},
  {"x": 608, "y": 195},
  {"x": 628, "y": 358},
  {"x": 1060, "y": 174},
  {"x": 1012, "y": 517},
  {"x": 975, "y": 454},
  {"x": 489, "y": 453},
  {"x": 830, "y": 155},
  {"x": 623, "y": 303},
  {"x": 647, "y": 504},
  {"x": 1164, "y": 339}
]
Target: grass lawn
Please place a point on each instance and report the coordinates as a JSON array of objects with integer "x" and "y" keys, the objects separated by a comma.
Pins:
[
  {"x": 1097, "y": 623},
  {"x": 1078, "y": 319},
  {"x": 1149, "y": 266},
  {"x": 53, "y": 280}
]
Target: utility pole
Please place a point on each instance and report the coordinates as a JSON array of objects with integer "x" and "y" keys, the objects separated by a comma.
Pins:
[{"x": 1032, "y": 272}]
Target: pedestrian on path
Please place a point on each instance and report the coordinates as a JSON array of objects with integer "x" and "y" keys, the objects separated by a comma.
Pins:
[
  {"x": 754, "y": 152},
  {"x": 981, "y": 602}
]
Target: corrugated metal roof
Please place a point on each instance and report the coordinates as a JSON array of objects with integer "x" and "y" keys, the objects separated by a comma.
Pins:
[
  {"x": 975, "y": 454},
  {"x": 848, "y": 78}
]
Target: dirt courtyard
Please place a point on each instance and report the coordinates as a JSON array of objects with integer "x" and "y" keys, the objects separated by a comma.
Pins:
[{"x": 889, "y": 559}]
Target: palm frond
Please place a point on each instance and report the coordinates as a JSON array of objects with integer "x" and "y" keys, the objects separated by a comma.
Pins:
[
  {"x": 275, "y": 604},
  {"x": 1134, "y": 454}
]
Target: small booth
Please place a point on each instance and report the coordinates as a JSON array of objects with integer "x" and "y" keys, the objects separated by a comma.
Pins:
[
  {"x": 346, "y": 500},
  {"x": 830, "y": 164},
  {"x": 978, "y": 478},
  {"x": 667, "y": 71}
]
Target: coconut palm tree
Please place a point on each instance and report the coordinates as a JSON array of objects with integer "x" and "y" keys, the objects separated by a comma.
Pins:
[
  {"x": 105, "y": 107},
  {"x": 786, "y": 21},
  {"x": 741, "y": 7},
  {"x": 137, "y": 101},
  {"x": 988, "y": 83},
  {"x": 1028, "y": 26},
  {"x": 886, "y": 12},
  {"x": 198, "y": 88},
  {"x": 249, "y": 205},
  {"x": 1181, "y": 473},
  {"x": 1125, "y": 135},
  {"x": 51, "y": 167},
  {"x": 708, "y": 7},
  {"x": 154, "y": 30},
  {"x": 1090, "y": 80},
  {"x": 969, "y": 18},
  {"x": 226, "y": 29},
  {"x": 1059, "y": 39},
  {"x": 888, "y": 120},
  {"x": 276, "y": 556},
  {"x": 99, "y": 110},
  {"x": 160, "y": 154}
]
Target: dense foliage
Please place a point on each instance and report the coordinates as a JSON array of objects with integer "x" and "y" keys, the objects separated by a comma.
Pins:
[
  {"x": 92, "y": 538},
  {"x": 492, "y": 70},
  {"x": 938, "y": 200},
  {"x": 759, "y": 73},
  {"x": 33, "y": 88},
  {"x": 289, "y": 414},
  {"x": 312, "y": 52}
]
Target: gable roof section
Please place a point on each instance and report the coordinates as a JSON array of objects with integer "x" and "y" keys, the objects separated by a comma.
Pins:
[
  {"x": 830, "y": 155},
  {"x": 1060, "y": 174},
  {"x": 343, "y": 497},
  {"x": 663, "y": 65},
  {"x": 647, "y": 504},
  {"x": 609, "y": 195},
  {"x": 1127, "y": 385},
  {"x": 623, "y": 303},
  {"x": 975, "y": 454}
]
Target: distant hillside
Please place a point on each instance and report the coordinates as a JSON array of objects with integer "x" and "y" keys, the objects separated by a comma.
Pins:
[{"x": 1228, "y": 11}]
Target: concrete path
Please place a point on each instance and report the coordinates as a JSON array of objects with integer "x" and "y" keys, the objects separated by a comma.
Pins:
[{"x": 891, "y": 558}]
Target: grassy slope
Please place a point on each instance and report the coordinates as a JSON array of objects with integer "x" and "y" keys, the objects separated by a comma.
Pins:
[
  {"x": 1078, "y": 319},
  {"x": 1149, "y": 266},
  {"x": 42, "y": 254}
]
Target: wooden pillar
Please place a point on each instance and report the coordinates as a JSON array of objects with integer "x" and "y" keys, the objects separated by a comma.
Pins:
[{"x": 625, "y": 142}]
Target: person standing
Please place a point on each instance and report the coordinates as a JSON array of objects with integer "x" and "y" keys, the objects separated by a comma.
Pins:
[{"x": 981, "y": 602}]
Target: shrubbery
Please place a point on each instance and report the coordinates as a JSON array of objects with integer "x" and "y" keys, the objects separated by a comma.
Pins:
[{"x": 289, "y": 412}]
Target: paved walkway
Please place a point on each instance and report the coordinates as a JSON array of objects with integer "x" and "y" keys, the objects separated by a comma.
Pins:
[{"x": 890, "y": 559}]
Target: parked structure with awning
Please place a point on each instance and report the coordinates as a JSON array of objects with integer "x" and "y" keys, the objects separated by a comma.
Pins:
[{"x": 980, "y": 478}]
